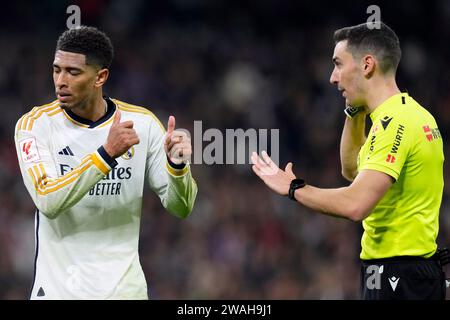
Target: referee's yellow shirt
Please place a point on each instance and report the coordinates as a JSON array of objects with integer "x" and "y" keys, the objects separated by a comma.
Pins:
[{"x": 405, "y": 143}]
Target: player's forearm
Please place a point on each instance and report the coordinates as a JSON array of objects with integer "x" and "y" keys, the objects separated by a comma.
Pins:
[
  {"x": 341, "y": 202},
  {"x": 53, "y": 196},
  {"x": 181, "y": 192},
  {"x": 353, "y": 137}
]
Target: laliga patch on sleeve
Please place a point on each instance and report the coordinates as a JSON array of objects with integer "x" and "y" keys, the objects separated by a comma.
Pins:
[{"x": 29, "y": 151}]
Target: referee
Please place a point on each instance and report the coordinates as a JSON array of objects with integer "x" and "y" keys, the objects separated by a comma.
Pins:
[{"x": 396, "y": 172}]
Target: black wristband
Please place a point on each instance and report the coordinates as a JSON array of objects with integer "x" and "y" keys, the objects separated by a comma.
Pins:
[{"x": 295, "y": 184}]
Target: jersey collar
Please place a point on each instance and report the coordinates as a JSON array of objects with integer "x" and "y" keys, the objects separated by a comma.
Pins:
[
  {"x": 89, "y": 123},
  {"x": 396, "y": 99}
]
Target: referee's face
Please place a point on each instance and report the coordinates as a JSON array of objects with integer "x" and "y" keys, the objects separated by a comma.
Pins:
[
  {"x": 75, "y": 81},
  {"x": 347, "y": 75}
]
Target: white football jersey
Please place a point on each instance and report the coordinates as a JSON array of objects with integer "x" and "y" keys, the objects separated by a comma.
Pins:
[{"x": 88, "y": 204}]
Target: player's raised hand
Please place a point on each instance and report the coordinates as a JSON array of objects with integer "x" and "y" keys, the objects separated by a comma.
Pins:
[
  {"x": 121, "y": 137},
  {"x": 177, "y": 144},
  {"x": 274, "y": 177}
]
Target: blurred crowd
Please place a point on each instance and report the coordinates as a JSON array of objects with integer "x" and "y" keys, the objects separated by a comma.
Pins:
[{"x": 247, "y": 65}]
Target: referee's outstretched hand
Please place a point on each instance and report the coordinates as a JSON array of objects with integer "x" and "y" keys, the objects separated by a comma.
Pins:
[
  {"x": 177, "y": 144},
  {"x": 275, "y": 178},
  {"x": 121, "y": 137}
]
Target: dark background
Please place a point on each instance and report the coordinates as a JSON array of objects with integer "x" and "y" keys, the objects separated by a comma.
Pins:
[{"x": 247, "y": 64}]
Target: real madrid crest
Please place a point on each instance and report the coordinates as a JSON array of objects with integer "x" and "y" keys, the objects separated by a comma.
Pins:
[{"x": 129, "y": 154}]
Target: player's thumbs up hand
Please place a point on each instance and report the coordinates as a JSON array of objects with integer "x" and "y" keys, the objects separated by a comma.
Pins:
[
  {"x": 171, "y": 125},
  {"x": 121, "y": 137},
  {"x": 177, "y": 144},
  {"x": 117, "y": 117}
]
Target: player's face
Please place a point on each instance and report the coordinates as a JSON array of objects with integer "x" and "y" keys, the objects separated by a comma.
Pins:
[
  {"x": 347, "y": 75},
  {"x": 74, "y": 80}
]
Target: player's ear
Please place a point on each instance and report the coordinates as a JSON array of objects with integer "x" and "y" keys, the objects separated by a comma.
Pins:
[
  {"x": 368, "y": 65},
  {"x": 102, "y": 76}
]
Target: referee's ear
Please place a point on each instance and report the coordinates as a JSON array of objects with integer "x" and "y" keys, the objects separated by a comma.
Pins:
[
  {"x": 102, "y": 76},
  {"x": 368, "y": 64}
]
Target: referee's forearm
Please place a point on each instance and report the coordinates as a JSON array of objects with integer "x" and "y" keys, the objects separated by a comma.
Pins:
[{"x": 334, "y": 202}]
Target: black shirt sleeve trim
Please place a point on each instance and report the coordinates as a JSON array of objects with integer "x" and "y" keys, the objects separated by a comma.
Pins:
[
  {"x": 176, "y": 166},
  {"x": 111, "y": 161}
]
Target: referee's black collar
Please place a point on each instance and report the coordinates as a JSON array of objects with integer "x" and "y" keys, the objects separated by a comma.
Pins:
[{"x": 92, "y": 124}]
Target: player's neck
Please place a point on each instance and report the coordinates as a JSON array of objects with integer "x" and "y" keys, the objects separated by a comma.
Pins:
[
  {"x": 93, "y": 110},
  {"x": 380, "y": 92}
]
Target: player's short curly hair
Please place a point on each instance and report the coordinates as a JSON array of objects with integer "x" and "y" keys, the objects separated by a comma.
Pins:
[
  {"x": 383, "y": 43},
  {"x": 91, "y": 42}
]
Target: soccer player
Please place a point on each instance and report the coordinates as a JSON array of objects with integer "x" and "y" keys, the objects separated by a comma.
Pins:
[
  {"x": 84, "y": 159},
  {"x": 396, "y": 172}
]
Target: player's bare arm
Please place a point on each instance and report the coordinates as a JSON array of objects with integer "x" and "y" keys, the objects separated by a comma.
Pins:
[{"x": 354, "y": 202}]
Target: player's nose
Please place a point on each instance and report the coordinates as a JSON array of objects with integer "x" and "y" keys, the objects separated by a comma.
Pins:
[{"x": 61, "y": 80}]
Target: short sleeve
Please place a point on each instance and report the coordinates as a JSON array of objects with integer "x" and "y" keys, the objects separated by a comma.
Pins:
[{"x": 388, "y": 146}]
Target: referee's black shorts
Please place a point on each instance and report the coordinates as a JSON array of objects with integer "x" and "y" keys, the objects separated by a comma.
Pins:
[{"x": 402, "y": 278}]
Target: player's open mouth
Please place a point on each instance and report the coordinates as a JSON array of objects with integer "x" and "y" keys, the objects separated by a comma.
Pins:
[{"x": 63, "y": 96}]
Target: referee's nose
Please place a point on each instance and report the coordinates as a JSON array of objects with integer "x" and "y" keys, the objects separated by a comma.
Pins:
[{"x": 334, "y": 77}]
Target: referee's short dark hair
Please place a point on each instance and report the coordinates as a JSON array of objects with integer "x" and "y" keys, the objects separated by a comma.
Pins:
[
  {"x": 383, "y": 43},
  {"x": 91, "y": 42}
]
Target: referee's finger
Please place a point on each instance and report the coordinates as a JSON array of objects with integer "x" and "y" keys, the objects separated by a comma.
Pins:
[
  {"x": 263, "y": 164},
  {"x": 266, "y": 157},
  {"x": 288, "y": 168},
  {"x": 257, "y": 171},
  {"x": 255, "y": 159},
  {"x": 269, "y": 161}
]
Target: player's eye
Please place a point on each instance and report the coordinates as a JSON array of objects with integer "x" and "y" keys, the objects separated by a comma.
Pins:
[{"x": 74, "y": 72}]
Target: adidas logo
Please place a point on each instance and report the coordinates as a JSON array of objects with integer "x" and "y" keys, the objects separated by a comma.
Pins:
[{"x": 66, "y": 151}]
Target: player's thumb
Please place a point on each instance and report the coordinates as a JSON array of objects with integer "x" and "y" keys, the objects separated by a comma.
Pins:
[
  {"x": 117, "y": 116},
  {"x": 288, "y": 168},
  {"x": 170, "y": 124}
]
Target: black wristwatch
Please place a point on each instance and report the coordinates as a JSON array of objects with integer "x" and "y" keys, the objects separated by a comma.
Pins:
[{"x": 295, "y": 184}]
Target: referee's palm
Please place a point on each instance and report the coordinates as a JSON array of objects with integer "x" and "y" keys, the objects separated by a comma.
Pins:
[{"x": 274, "y": 177}]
